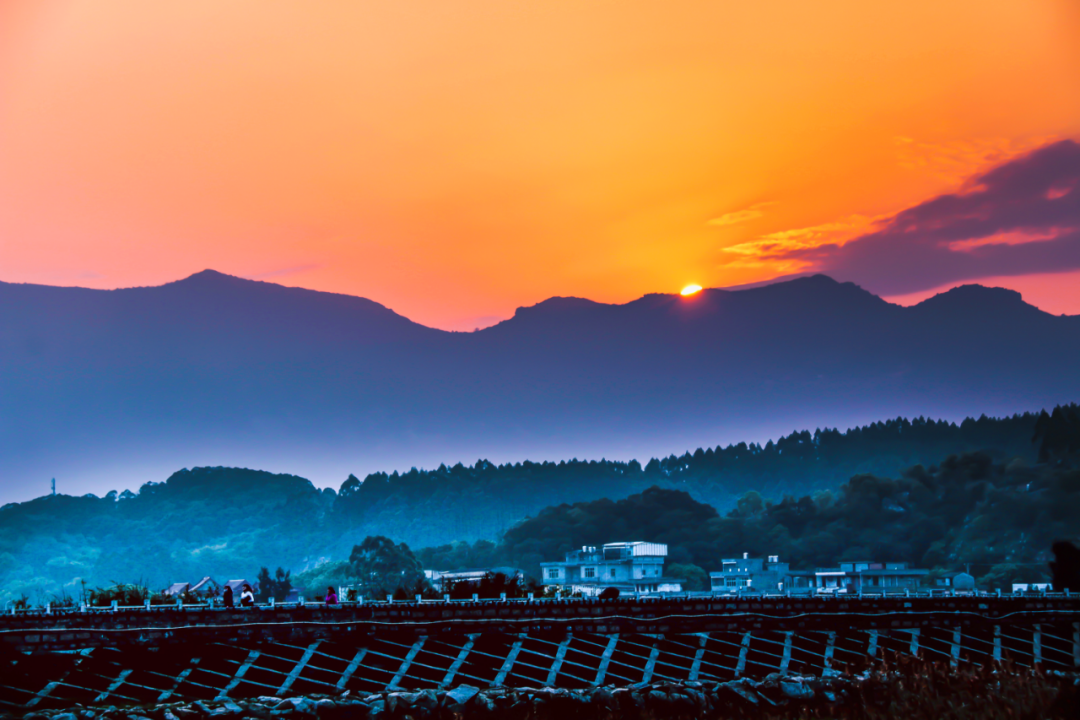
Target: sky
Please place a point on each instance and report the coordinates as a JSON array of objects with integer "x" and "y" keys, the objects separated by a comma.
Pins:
[{"x": 456, "y": 160}]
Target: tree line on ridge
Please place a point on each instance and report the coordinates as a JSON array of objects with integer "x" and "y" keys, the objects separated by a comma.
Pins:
[{"x": 229, "y": 522}]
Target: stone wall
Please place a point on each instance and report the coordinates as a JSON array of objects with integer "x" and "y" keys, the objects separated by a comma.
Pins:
[{"x": 915, "y": 691}]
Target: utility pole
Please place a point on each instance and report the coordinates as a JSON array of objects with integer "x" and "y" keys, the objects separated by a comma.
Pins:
[{"x": 54, "y": 486}]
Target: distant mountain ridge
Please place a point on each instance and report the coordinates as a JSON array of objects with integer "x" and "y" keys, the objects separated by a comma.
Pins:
[{"x": 112, "y": 388}]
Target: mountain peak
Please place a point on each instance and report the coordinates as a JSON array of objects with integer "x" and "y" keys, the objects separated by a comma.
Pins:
[
  {"x": 557, "y": 304},
  {"x": 977, "y": 297},
  {"x": 975, "y": 290},
  {"x": 211, "y": 277},
  {"x": 817, "y": 293},
  {"x": 812, "y": 283}
]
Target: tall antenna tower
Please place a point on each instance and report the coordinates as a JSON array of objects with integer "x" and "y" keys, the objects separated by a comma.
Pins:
[{"x": 54, "y": 486}]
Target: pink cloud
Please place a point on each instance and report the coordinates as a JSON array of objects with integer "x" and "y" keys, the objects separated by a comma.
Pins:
[{"x": 1020, "y": 218}]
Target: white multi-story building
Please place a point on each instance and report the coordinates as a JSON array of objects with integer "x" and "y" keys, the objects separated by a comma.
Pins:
[{"x": 631, "y": 567}]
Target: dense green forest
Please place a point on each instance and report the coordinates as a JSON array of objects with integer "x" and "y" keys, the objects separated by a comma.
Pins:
[
  {"x": 805, "y": 488},
  {"x": 200, "y": 522},
  {"x": 998, "y": 518},
  {"x": 468, "y": 503}
]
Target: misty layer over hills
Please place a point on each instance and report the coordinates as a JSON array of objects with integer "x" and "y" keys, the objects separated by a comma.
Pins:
[
  {"x": 920, "y": 491},
  {"x": 107, "y": 389}
]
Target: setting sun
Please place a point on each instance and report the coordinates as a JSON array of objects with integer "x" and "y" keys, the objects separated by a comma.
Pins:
[{"x": 691, "y": 289}]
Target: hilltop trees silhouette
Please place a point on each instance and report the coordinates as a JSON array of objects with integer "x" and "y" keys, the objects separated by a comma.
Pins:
[
  {"x": 1058, "y": 434},
  {"x": 382, "y": 567},
  {"x": 276, "y": 586}
]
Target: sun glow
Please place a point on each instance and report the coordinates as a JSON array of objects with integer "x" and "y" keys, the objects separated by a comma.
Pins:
[{"x": 691, "y": 289}]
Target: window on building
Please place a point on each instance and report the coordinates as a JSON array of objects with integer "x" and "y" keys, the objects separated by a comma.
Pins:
[
  {"x": 588, "y": 572},
  {"x": 611, "y": 572},
  {"x": 729, "y": 582},
  {"x": 553, "y": 573}
]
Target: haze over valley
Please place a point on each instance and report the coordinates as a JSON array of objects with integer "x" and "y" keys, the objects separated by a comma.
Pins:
[{"x": 107, "y": 390}]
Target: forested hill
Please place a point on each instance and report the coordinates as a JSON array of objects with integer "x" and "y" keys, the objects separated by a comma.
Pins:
[
  {"x": 461, "y": 503},
  {"x": 999, "y": 520},
  {"x": 229, "y": 522},
  {"x": 206, "y": 521}
]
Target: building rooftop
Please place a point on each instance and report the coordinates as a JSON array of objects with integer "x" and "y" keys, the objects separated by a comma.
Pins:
[{"x": 178, "y": 588}]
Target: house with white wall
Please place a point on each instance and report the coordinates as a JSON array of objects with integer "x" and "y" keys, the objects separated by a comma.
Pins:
[{"x": 631, "y": 567}]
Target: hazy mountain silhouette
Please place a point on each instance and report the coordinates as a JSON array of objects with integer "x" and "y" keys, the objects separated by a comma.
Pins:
[{"x": 113, "y": 388}]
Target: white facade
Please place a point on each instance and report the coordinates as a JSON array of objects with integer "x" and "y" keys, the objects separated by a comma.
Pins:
[
  {"x": 635, "y": 567},
  {"x": 1031, "y": 587}
]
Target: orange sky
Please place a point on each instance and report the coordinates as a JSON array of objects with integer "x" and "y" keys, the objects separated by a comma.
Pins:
[{"x": 454, "y": 159}]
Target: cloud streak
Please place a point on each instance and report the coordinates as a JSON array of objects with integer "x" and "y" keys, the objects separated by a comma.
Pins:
[
  {"x": 1020, "y": 218},
  {"x": 740, "y": 216},
  {"x": 784, "y": 242}
]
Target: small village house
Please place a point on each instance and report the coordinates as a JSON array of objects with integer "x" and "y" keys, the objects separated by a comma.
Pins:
[
  {"x": 205, "y": 587},
  {"x": 957, "y": 582},
  {"x": 868, "y": 576},
  {"x": 630, "y": 567},
  {"x": 747, "y": 573},
  {"x": 769, "y": 575},
  {"x": 443, "y": 580}
]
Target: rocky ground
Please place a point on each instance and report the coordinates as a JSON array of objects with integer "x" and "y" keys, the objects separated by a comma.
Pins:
[{"x": 919, "y": 690}]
